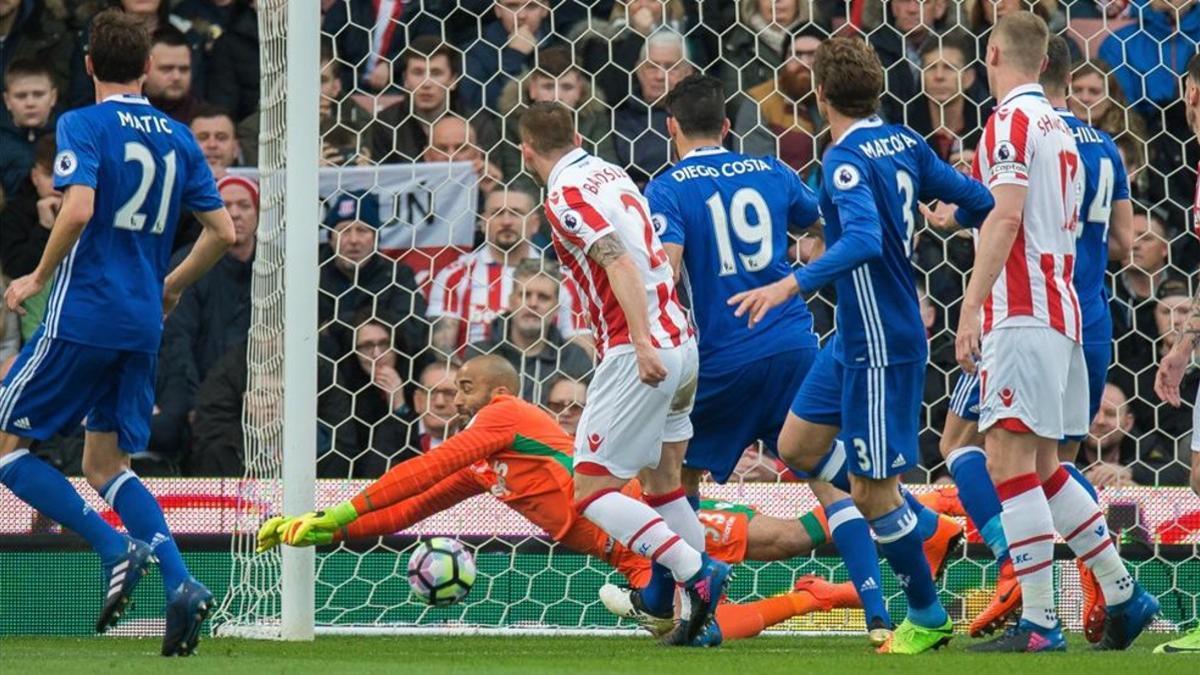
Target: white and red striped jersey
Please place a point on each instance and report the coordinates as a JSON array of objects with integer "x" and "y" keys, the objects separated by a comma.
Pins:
[
  {"x": 589, "y": 198},
  {"x": 475, "y": 289},
  {"x": 1196, "y": 205},
  {"x": 1026, "y": 143}
]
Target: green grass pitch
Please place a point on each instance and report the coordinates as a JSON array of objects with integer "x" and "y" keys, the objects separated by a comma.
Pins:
[{"x": 526, "y": 655}]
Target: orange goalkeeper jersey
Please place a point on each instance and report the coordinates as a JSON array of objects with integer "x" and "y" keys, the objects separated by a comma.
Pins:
[{"x": 514, "y": 449}]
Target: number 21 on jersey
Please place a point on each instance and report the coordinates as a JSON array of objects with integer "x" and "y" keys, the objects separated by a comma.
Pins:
[{"x": 128, "y": 216}]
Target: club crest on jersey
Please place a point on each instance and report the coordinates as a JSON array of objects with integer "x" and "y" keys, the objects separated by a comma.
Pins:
[
  {"x": 66, "y": 163},
  {"x": 846, "y": 176}
]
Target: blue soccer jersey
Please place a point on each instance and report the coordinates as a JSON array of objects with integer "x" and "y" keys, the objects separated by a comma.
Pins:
[
  {"x": 731, "y": 213},
  {"x": 1104, "y": 182},
  {"x": 873, "y": 179},
  {"x": 145, "y": 168}
]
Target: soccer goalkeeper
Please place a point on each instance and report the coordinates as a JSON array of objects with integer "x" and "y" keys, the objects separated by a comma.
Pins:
[{"x": 518, "y": 453}]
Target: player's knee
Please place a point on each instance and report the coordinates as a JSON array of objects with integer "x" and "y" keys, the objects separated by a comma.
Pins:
[{"x": 99, "y": 470}]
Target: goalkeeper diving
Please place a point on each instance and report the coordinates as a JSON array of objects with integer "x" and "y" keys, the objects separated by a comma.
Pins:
[{"x": 516, "y": 451}]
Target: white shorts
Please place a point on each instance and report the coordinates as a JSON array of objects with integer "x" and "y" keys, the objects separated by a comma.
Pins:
[
  {"x": 1037, "y": 376},
  {"x": 625, "y": 422}
]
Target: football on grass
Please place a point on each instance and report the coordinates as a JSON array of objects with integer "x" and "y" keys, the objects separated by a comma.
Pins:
[{"x": 441, "y": 571}]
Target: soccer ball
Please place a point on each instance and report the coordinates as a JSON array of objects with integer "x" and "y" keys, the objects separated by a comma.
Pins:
[{"x": 441, "y": 571}]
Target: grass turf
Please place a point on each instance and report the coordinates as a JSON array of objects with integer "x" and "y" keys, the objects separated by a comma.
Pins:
[{"x": 525, "y": 655}]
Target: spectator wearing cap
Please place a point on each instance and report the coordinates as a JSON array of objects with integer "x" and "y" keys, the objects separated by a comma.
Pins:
[
  {"x": 212, "y": 317},
  {"x": 780, "y": 117},
  {"x": 525, "y": 334},
  {"x": 355, "y": 277}
]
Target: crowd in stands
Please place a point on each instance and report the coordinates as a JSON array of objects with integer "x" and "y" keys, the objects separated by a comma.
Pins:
[{"x": 447, "y": 81}]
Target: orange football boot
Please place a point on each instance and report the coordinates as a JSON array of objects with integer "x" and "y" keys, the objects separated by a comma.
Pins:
[
  {"x": 1006, "y": 603},
  {"x": 944, "y": 541},
  {"x": 1094, "y": 610}
]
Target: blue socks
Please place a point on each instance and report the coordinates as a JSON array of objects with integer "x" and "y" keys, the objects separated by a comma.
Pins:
[
  {"x": 901, "y": 544},
  {"x": 659, "y": 593},
  {"x": 144, "y": 520},
  {"x": 44, "y": 488},
  {"x": 1078, "y": 476},
  {"x": 927, "y": 520},
  {"x": 978, "y": 495},
  {"x": 853, "y": 539}
]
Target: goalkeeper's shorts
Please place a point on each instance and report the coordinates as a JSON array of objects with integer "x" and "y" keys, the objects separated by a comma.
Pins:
[{"x": 55, "y": 384}]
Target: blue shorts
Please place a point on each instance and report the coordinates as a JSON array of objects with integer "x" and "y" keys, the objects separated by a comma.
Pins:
[
  {"x": 55, "y": 383},
  {"x": 736, "y": 408},
  {"x": 964, "y": 400},
  {"x": 877, "y": 409}
]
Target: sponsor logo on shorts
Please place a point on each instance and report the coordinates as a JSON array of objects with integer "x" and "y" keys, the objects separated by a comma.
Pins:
[
  {"x": 1006, "y": 397},
  {"x": 594, "y": 442}
]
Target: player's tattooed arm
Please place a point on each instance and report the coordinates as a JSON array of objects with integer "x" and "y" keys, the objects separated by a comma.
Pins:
[{"x": 607, "y": 250}]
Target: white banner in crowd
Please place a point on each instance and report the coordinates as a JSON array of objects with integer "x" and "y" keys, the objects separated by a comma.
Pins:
[{"x": 429, "y": 206}]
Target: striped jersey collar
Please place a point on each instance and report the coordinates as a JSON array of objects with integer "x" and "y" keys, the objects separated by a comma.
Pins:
[
  {"x": 573, "y": 157},
  {"x": 865, "y": 123},
  {"x": 705, "y": 151},
  {"x": 128, "y": 98},
  {"x": 1032, "y": 89}
]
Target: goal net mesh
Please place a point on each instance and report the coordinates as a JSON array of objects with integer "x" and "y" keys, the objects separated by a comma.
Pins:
[{"x": 418, "y": 129}]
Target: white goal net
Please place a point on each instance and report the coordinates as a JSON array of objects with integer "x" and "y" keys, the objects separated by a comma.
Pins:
[{"x": 426, "y": 211}]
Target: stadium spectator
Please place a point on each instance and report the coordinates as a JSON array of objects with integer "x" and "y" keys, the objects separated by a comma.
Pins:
[
  {"x": 504, "y": 49},
  {"x": 356, "y": 278},
  {"x": 469, "y": 294},
  {"x": 1171, "y": 307},
  {"x": 212, "y": 316},
  {"x": 369, "y": 39},
  {"x": 377, "y": 425},
  {"x": 453, "y": 139},
  {"x": 907, "y": 28},
  {"x": 233, "y": 62},
  {"x": 433, "y": 404},
  {"x": 610, "y": 49},
  {"x": 780, "y": 117},
  {"x": 641, "y": 123},
  {"x": 168, "y": 83},
  {"x": 1136, "y": 287},
  {"x": 555, "y": 78},
  {"x": 566, "y": 401},
  {"x": 155, "y": 14},
  {"x": 1116, "y": 454},
  {"x": 205, "y": 15},
  {"x": 218, "y": 432},
  {"x": 525, "y": 335},
  {"x": 27, "y": 220},
  {"x": 29, "y": 98},
  {"x": 432, "y": 72},
  {"x": 1151, "y": 53},
  {"x": 755, "y": 47},
  {"x": 29, "y": 32},
  {"x": 218, "y": 140},
  {"x": 948, "y": 109},
  {"x": 1098, "y": 99}
]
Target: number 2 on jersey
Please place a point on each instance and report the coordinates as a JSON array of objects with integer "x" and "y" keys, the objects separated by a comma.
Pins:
[
  {"x": 127, "y": 217},
  {"x": 760, "y": 234}
]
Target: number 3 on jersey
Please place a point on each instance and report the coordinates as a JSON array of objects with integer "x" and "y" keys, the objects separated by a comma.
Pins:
[
  {"x": 753, "y": 234},
  {"x": 127, "y": 217}
]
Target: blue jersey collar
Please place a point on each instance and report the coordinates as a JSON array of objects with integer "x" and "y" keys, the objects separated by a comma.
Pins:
[
  {"x": 572, "y": 157},
  {"x": 1032, "y": 89},
  {"x": 865, "y": 123},
  {"x": 127, "y": 98},
  {"x": 705, "y": 151}
]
